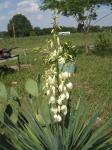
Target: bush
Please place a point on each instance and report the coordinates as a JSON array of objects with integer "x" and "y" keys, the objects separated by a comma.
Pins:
[{"x": 102, "y": 45}]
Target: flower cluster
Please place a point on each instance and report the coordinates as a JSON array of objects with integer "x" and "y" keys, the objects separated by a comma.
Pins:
[
  {"x": 58, "y": 86},
  {"x": 58, "y": 89}
]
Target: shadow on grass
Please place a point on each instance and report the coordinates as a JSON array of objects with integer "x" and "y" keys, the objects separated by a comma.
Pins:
[
  {"x": 107, "y": 53},
  {"x": 4, "y": 70}
]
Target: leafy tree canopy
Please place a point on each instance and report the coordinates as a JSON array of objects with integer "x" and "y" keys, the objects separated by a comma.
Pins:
[
  {"x": 20, "y": 25},
  {"x": 82, "y": 10}
]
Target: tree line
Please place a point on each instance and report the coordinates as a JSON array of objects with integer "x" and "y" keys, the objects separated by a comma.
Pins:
[
  {"x": 37, "y": 31},
  {"x": 21, "y": 27}
]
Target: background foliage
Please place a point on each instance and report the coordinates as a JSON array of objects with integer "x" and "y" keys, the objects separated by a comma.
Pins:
[{"x": 21, "y": 25}]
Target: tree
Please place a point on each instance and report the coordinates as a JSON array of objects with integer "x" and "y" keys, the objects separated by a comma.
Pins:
[
  {"x": 20, "y": 25},
  {"x": 83, "y": 11},
  {"x": 4, "y": 34},
  {"x": 95, "y": 29},
  {"x": 37, "y": 30}
]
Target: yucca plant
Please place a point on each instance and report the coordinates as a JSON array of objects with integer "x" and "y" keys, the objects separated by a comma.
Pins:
[
  {"x": 80, "y": 134},
  {"x": 54, "y": 124}
]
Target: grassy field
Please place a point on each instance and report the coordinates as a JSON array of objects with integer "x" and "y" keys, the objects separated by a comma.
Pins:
[
  {"x": 40, "y": 41},
  {"x": 93, "y": 77}
]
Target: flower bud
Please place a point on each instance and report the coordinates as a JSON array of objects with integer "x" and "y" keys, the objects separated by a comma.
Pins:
[
  {"x": 60, "y": 76},
  {"x": 69, "y": 75},
  {"x": 54, "y": 54},
  {"x": 51, "y": 80},
  {"x": 47, "y": 85},
  {"x": 65, "y": 89},
  {"x": 53, "y": 90},
  {"x": 59, "y": 109},
  {"x": 60, "y": 48}
]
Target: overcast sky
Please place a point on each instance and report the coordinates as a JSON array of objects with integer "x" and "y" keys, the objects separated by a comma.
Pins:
[{"x": 30, "y": 8}]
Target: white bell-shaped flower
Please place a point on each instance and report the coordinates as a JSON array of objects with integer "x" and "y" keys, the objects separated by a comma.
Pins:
[
  {"x": 62, "y": 96},
  {"x": 64, "y": 109},
  {"x": 65, "y": 113},
  {"x": 59, "y": 101},
  {"x": 57, "y": 118},
  {"x": 69, "y": 86},
  {"x": 52, "y": 100},
  {"x": 48, "y": 92},
  {"x": 61, "y": 87},
  {"x": 65, "y": 89},
  {"x": 67, "y": 95},
  {"x": 64, "y": 75}
]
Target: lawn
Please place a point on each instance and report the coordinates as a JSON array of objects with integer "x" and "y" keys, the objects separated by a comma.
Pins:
[
  {"x": 94, "y": 73},
  {"x": 31, "y": 42}
]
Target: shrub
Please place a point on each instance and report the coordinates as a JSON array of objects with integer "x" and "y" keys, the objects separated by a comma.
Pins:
[{"x": 102, "y": 45}]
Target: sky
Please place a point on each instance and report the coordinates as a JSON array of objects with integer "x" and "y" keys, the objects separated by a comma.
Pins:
[{"x": 38, "y": 18}]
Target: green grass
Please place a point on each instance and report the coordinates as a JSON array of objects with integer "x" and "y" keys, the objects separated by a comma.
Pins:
[
  {"x": 40, "y": 41},
  {"x": 93, "y": 77}
]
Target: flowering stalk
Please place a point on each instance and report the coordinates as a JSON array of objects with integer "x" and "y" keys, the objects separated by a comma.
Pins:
[{"x": 57, "y": 82}]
